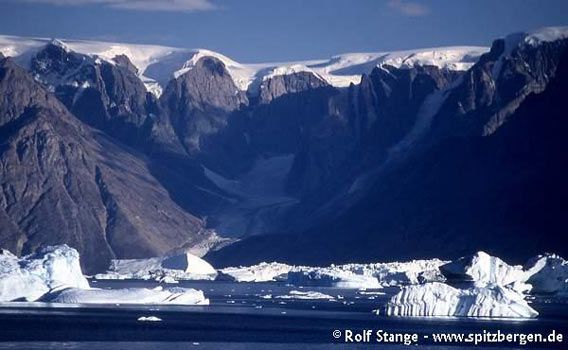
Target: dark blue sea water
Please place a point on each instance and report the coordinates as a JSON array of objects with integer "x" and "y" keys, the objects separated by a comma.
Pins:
[{"x": 242, "y": 317}]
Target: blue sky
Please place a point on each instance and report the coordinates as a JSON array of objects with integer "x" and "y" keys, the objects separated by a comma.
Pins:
[{"x": 272, "y": 30}]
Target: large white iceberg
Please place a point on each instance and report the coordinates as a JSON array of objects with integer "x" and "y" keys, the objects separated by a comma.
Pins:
[
  {"x": 184, "y": 266},
  {"x": 15, "y": 283},
  {"x": 483, "y": 269},
  {"x": 400, "y": 273},
  {"x": 331, "y": 277},
  {"x": 56, "y": 265},
  {"x": 263, "y": 272},
  {"x": 53, "y": 274},
  {"x": 372, "y": 275},
  {"x": 30, "y": 277},
  {"x": 439, "y": 299},
  {"x": 173, "y": 296},
  {"x": 548, "y": 273}
]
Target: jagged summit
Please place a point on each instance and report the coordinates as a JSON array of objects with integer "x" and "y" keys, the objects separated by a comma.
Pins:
[
  {"x": 249, "y": 150},
  {"x": 59, "y": 43},
  {"x": 157, "y": 65}
]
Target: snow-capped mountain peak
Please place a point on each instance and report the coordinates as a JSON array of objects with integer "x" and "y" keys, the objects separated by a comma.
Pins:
[
  {"x": 546, "y": 34},
  {"x": 158, "y": 64},
  {"x": 531, "y": 38}
]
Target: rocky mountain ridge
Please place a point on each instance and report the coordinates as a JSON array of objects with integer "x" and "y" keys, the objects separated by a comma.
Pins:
[{"x": 295, "y": 150}]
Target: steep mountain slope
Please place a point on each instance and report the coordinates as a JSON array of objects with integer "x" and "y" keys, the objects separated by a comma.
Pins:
[
  {"x": 350, "y": 154},
  {"x": 488, "y": 174},
  {"x": 65, "y": 183},
  {"x": 107, "y": 95}
]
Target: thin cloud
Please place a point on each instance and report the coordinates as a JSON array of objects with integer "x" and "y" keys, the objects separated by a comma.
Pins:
[
  {"x": 409, "y": 8},
  {"x": 140, "y": 5}
]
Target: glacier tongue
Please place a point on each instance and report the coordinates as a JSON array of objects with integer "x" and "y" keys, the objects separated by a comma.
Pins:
[{"x": 439, "y": 299}]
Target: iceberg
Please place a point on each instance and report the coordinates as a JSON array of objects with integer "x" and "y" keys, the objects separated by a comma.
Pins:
[
  {"x": 30, "y": 277},
  {"x": 263, "y": 272},
  {"x": 482, "y": 269},
  {"x": 331, "y": 277},
  {"x": 547, "y": 274},
  {"x": 401, "y": 273},
  {"x": 18, "y": 284},
  {"x": 149, "y": 319},
  {"x": 373, "y": 275},
  {"x": 53, "y": 274},
  {"x": 308, "y": 295},
  {"x": 56, "y": 265},
  {"x": 158, "y": 295},
  {"x": 438, "y": 299},
  {"x": 168, "y": 269}
]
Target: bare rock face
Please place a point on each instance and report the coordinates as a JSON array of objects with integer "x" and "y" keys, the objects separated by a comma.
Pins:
[
  {"x": 124, "y": 61},
  {"x": 109, "y": 97},
  {"x": 62, "y": 182},
  {"x": 418, "y": 155},
  {"x": 371, "y": 118},
  {"x": 200, "y": 102},
  {"x": 279, "y": 85},
  {"x": 496, "y": 85},
  {"x": 469, "y": 184}
]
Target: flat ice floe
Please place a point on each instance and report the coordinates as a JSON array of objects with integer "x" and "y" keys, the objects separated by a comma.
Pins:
[
  {"x": 159, "y": 295},
  {"x": 438, "y": 299},
  {"x": 168, "y": 269},
  {"x": 149, "y": 319},
  {"x": 307, "y": 295}
]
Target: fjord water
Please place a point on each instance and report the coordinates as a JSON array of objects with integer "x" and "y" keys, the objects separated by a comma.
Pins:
[{"x": 241, "y": 316}]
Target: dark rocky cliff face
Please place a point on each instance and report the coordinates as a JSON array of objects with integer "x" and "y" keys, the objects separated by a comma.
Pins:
[
  {"x": 62, "y": 182},
  {"x": 495, "y": 87},
  {"x": 280, "y": 85},
  {"x": 203, "y": 106},
  {"x": 109, "y": 97},
  {"x": 419, "y": 156},
  {"x": 200, "y": 101},
  {"x": 489, "y": 174},
  {"x": 372, "y": 118},
  {"x": 288, "y": 108}
]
